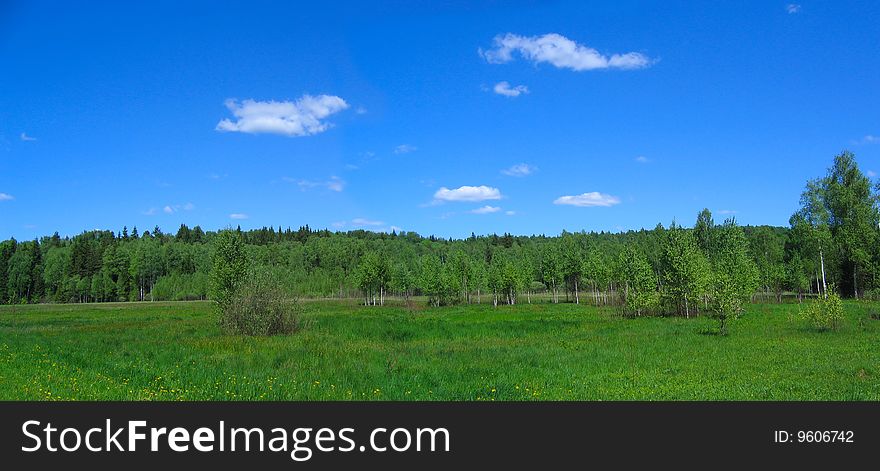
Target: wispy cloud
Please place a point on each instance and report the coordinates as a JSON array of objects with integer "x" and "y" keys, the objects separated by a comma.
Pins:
[
  {"x": 360, "y": 110},
  {"x": 870, "y": 139},
  {"x": 593, "y": 198},
  {"x": 561, "y": 52},
  {"x": 485, "y": 210},
  {"x": 217, "y": 176},
  {"x": 25, "y": 137},
  {"x": 642, "y": 159},
  {"x": 364, "y": 222},
  {"x": 173, "y": 208},
  {"x": 405, "y": 149},
  {"x": 334, "y": 183},
  {"x": 468, "y": 193},
  {"x": 792, "y": 8},
  {"x": 238, "y": 216},
  {"x": 302, "y": 117},
  {"x": 871, "y": 173},
  {"x": 150, "y": 212},
  {"x": 510, "y": 213},
  {"x": 520, "y": 170},
  {"x": 725, "y": 212},
  {"x": 504, "y": 88},
  {"x": 6, "y": 197}
]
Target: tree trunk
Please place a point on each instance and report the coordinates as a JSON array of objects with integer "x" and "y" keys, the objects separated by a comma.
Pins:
[
  {"x": 824, "y": 285},
  {"x": 577, "y": 299}
]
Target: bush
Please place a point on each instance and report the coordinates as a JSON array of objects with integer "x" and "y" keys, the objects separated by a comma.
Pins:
[
  {"x": 825, "y": 313},
  {"x": 259, "y": 306}
]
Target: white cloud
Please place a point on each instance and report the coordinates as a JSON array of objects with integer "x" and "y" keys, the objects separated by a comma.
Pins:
[
  {"x": 338, "y": 224},
  {"x": 726, "y": 211},
  {"x": 642, "y": 159},
  {"x": 150, "y": 212},
  {"x": 869, "y": 139},
  {"x": 334, "y": 183},
  {"x": 238, "y": 216},
  {"x": 504, "y": 88},
  {"x": 486, "y": 210},
  {"x": 360, "y": 110},
  {"x": 25, "y": 137},
  {"x": 363, "y": 222},
  {"x": 560, "y": 52},
  {"x": 792, "y": 8},
  {"x": 510, "y": 213},
  {"x": 468, "y": 193},
  {"x": 173, "y": 208},
  {"x": 593, "y": 198},
  {"x": 871, "y": 173},
  {"x": 6, "y": 197},
  {"x": 519, "y": 170},
  {"x": 396, "y": 229},
  {"x": 405, "y": 149},
  {"x": 302, "y": 117}
]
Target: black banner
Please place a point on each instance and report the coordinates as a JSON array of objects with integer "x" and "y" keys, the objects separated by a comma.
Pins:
[{"x": 327, "y": 435}]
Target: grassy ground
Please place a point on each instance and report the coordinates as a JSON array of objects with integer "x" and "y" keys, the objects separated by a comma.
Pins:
[{"x": 174, "y": 351}]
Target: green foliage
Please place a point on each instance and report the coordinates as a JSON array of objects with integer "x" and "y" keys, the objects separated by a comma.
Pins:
[
  {"x": 826, "y": 312},
  {"x": 259, "y": 307},
  {"x": 638, "y": 280},
  {"x": 734, "y": 275},
  {"x": 228, "y": 269}
]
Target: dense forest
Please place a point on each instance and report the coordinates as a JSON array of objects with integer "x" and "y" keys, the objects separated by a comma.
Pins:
[{"x": 830, "y": 243}]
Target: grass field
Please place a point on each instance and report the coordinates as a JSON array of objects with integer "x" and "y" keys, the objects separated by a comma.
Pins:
[{"x": 174, "y": 351}]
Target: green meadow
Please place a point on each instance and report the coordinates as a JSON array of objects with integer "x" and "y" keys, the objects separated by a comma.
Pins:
[{"x": 541, "y": 351}]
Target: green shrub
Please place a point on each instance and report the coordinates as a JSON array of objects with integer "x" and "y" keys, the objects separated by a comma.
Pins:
[
  {"x": 259, "y": 306},
  {"x": 825, "y": 313}
]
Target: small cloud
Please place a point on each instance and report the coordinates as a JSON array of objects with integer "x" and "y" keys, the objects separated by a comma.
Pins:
[
  {"x": 303, "y": 117},
  {"x": 519, "y": 170},
  {"x": 30, "y": 226},
  {"x": 593, "y": 198},
  {"x": 150, "y": 212},
  {"x": 351, "y": 167},
  {"x": 26, "y": 138},
  {"x": 361, "y": 110},
  {"x": 486, "y": 210},
  {"x": 792, "y": 8},
  {"x": 642, "y": 159},
  {"x": 871, "y": 173},
  {"x": 510, "y": 213},
  {"x": 6, "y": 197},
  {"x": 338, "y": 224},
  {"x": 238, "y": 216},
  {"x": 504, "y": 88},
  {"x": 396, "y": 229},
  {"x": 363, "y": 222},
  {"x": 173, "y": 208},
  {"x": 334, "y": 183},
  {"x": 726, "y": 211},
  {"x": 561, "y": 52},
  {"x": 217, "y": 176},
  {"x": 467, "y": 193},
  {"x": 870, "y": 139},
  {"x": 405, "y": 149}
]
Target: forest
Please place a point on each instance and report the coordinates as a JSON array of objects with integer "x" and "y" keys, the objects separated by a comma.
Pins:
[{"x": 829, "y": 244}]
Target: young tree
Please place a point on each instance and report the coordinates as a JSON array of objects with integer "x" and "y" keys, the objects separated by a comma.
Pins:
[
  {"x": 229, "y": 267},
  {"x": 638, "y": 281},
  {"x": 686, "y": 270},
  {"x": 703, "y": 231},
  {"x": 734, "y": 275}
]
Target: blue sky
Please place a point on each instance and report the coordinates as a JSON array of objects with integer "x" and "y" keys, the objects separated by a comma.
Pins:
[{"x": 445, "y": 118}]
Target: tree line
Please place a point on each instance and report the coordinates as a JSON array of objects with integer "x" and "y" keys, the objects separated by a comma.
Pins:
[{"x": 831, "y": 243}]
